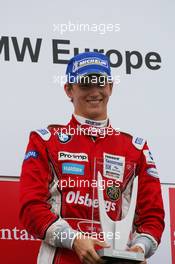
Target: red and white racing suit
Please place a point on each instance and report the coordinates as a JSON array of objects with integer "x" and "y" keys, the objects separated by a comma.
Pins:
[{"x": 58, "y": 194}]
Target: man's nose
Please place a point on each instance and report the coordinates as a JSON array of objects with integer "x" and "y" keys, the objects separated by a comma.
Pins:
[
  {"x": 95, "y": 87},
  {"x": 95, "y": 91}
]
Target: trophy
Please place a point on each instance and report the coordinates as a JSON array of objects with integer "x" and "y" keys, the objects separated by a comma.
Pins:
[{"x": 117, "y": 252}]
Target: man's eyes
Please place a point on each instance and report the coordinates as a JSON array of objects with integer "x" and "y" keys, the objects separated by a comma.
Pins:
[{"x": 88, "y": 85}]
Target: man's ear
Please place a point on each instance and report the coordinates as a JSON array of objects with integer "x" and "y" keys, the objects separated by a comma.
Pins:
[
  {"x": 68, "y": 90},
  {"x": 111, "y": 87}
]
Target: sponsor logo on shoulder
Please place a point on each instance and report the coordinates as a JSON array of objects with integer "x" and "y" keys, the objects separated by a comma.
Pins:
[
  {"x": 153, "y": 172},
  {"x": 44, "y": 133},
  {"x": 31, "y": 154},
  {"x": 138, "y": 142},
  {"x": 113, "y": 166},
  {"x": 72, "y": 168},
  {"x": 62, "y": 155},
  {"x": 64, "y": 138},
  {"x": 148, "y": 156}
]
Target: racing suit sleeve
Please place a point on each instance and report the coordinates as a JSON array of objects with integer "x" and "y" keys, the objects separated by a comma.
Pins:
[
  {"x": 149, "y": 218},
  {"x": 35, "y": 210}
]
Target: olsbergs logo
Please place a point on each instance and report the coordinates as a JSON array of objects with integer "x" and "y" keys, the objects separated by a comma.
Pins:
[
  {"x": 72, "y": 156},
  {"x": 76, "y": 198}
]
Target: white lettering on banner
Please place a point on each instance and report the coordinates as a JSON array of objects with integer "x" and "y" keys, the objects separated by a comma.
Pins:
[
  {"x": 72, "y": 156},
  {"x": 15, "y": 234},
  {"x": 152, "y": 59},
  {"x": 76, "y": 198}
]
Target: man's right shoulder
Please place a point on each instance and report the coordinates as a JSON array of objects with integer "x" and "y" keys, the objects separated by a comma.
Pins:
[
  {"x": 43, "y": 133},
  {"x": 46, "y": 133}
]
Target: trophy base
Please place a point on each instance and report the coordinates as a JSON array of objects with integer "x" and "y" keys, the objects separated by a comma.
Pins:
[{"x": 120, "y": 256}]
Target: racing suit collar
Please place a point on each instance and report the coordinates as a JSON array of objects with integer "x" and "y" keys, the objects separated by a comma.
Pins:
[
  {"x": 86, "y": 121},
  {"x": 90, "y": 130}
]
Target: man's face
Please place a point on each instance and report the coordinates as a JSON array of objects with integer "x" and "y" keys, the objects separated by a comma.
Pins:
[{"x": 90, "y": 97}]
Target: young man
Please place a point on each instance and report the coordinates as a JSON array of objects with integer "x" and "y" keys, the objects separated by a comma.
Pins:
[{"x": 59, "y": 212}]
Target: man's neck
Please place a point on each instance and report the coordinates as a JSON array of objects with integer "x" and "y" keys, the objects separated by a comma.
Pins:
[{"x": 96, "y": 123}]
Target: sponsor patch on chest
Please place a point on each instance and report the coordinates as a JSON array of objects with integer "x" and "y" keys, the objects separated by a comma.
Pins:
[
  {"x": 64, "y": 138},
  {"x": 63, "y": 155},
  {"x": 72, "y": 168},
  {"x": 113, "y": 192},
  {"x": 114, "y": 166}
]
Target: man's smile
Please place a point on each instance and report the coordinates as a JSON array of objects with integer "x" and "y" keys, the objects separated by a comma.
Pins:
[{"x": 94, "y": 101}]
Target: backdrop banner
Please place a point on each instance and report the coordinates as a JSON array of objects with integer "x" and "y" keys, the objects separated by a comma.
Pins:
[{"x": 138, "y": 37}]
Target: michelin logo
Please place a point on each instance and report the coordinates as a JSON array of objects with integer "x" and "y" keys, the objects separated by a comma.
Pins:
[
  {"x": 72, "y": 156},
  {"x": 31, "y": 154},
  {"x": 89, "y": 61}
]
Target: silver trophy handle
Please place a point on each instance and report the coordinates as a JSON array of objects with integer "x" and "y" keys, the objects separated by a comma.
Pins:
[{"x": 123, "y": 227}]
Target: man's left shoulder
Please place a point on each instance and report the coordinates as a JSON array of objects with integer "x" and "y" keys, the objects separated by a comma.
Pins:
[{"x": 136, "y": 141}]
